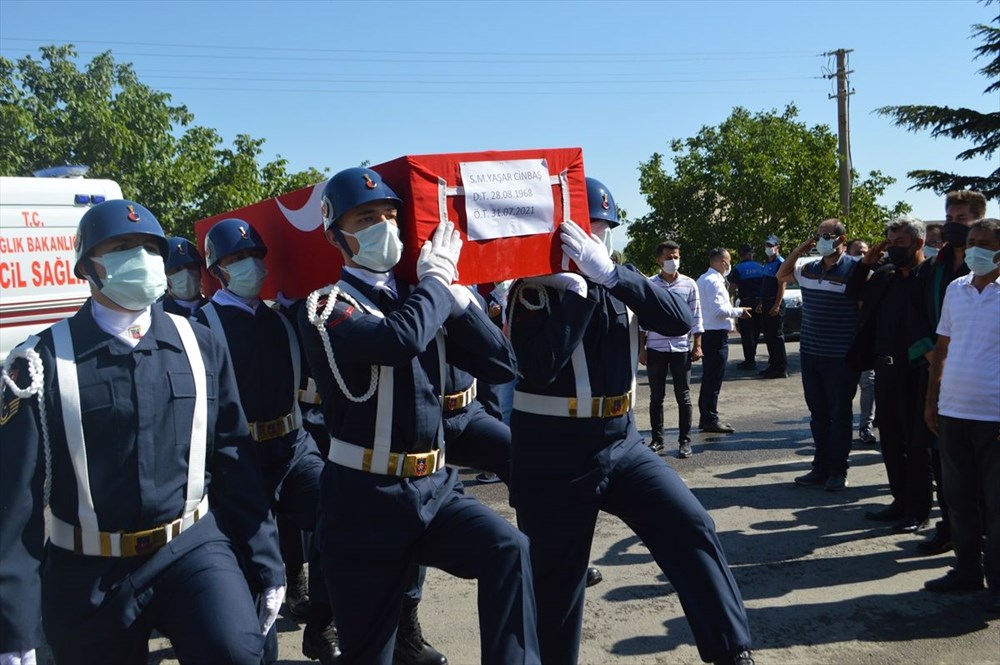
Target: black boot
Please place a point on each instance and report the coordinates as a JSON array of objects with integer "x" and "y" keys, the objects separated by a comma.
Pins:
[
  {"x": 319, "y": 639},
  {"x": 593, "y": 576},
  {"x": 297, "y": 596},
  {"x": 742, "y": 658},
  {"x": 411, "y": 647}
]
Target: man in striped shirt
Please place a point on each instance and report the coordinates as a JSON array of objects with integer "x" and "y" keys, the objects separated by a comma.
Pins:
[
  {"x": 661, "y": 354},
  {"x": 829, "y": 320}
]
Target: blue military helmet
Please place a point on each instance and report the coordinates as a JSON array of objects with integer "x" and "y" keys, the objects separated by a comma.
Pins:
[
  {"x": 112, "y": 219},
  {"x": 349, "y": 189},
  {"x": 229, "y": 236},
  {"x": 602, "y": 204},
  {"x": 183, "y": 252}
]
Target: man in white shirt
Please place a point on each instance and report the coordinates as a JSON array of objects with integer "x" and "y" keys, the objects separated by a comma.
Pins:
[
  {"x": 963, "y": 408},
  {"x": 660, "y": 353},
  {"x": 717, "y": 319}
]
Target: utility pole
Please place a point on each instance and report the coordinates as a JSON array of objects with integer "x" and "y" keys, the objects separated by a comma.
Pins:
[{"x": 843, "y": 126}]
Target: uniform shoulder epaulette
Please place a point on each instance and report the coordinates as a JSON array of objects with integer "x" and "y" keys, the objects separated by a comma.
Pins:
[
  {"x": 17, "y": 379},
  {"x": 342, "y": 311}
]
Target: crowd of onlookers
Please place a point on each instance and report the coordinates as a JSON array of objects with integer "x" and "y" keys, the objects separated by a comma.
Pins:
[{"x": 879, "y": 315}]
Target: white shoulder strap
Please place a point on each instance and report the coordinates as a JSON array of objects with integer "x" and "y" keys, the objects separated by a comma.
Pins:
[
  {"x": 199, "y": 423},
  {"x": 293, "y": 347},
  {"x": 362, "y": 299},
  {"x": 633, "y": 346},
  {"x": 215, "y": 323},
  {"x": 69, "y": 398},
  {"x": 382, "y": 441}
]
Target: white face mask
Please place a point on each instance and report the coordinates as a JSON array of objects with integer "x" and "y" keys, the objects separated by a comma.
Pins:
[
  {"x": 671, "y": 266},
  {"x": 246, "y": 276},
  {"x": 771, "y": 251},
  {"x": 826, "y": 247},
  {"x": 185, "y": 284},
  {"x": 379, "y": 246},
  {"x": 980, "y": 260},
  {"x": 135, "y": 278},
  {"x": 930, "y": 252},
  {"x": 729, "y": 269}
]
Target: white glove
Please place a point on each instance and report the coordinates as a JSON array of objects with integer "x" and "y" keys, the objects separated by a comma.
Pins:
[
  {"x": 273, "y": 597},
  {"x": 562, "y": 281},
  {"x": 439, "y": 255},
  {"x": 463, "y": 298},
  {"x": 589, "y": 253},
  {"x": 18, "y": 658},
  {"x": 284, "y": 300}
]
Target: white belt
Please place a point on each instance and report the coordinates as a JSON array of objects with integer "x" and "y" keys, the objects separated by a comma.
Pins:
[
  {"x": 570, "y": 407},
  {"x": 403, "y": 465},
  {"x": 121, "y": 544},
  {"x": 309, "y": 394},
  {"x": 457, "y": 401},
  {"x": 272, "y": 429}
]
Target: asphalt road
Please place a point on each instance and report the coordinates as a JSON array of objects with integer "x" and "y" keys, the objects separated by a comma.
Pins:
[{"x": 821, "y": 583}]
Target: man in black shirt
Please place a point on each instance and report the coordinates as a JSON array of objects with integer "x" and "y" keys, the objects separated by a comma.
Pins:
[{"x": 882, "y": 341}]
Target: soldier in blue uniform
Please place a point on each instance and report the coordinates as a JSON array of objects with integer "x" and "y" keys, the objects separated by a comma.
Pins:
[
  {"x": 475, "y": 434},
  {"x": 267, "y": 362},
  {"x": 576, "y": 450},
  {"x": 126, "y": 422},
  {"x": 183, "y": 269},
  {"x": 378, "y": 349}
]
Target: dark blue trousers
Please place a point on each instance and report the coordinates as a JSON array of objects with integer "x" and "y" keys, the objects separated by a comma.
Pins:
[
  {"x": 476, "y": 439},
  {"x": 373, "y": 529},
  {"x": 654, "y": 502},
  {"x": 201, "y": 602},
  {"x": 829, "y": 386}
]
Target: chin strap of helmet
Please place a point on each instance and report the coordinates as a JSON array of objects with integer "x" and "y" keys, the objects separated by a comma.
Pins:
[{"x": 341, "y": 240}]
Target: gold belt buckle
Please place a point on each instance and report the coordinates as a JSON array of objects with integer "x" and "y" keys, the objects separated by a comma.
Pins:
[
  {"x": 144, "y": 542},
  {"x": 417, "y": 465},
  {"x": 616, "y": 406}
]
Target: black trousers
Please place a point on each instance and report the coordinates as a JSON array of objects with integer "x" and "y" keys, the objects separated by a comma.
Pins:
[
  {"x": 749, "y": 330},
  {"x": 931, "y": 442},
  {"x": 678, "y": 363},
  {"x": 774, "y": 336},
  {"x": 971, "y": 459},
  {"x": 905, "y": 454},
  {"x": 715, "y": 346},
  {"x": 773, "y": 329}
]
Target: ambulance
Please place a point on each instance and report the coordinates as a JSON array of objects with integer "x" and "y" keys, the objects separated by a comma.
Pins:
[{"x": 38, "y": 220}]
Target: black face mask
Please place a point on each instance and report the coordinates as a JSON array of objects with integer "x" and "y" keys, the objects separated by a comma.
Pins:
[
  {"x": 955, "y": 233},
  {"x": 900, "y": 256}
]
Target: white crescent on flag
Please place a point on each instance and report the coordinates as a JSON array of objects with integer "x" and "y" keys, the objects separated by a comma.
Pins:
[{"x": 308, "y": 217}]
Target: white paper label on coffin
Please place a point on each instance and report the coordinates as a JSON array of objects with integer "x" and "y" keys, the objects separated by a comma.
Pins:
[{"x": 504, "y": 199}]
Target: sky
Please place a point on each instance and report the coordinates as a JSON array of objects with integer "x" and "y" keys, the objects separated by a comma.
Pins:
[{"x": 335, "y": 84}]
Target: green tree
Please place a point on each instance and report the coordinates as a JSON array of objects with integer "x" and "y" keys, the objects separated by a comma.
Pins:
[
  {"x": 753, "y": 175},
  {"x": 53, "y": 113},
  {"x": 982, "y": 129}
]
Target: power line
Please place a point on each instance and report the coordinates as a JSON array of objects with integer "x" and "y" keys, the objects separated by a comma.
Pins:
[
  {"x": 518, "y": 58},
  {"x": 285, "y": 79},
  {"x": 463, "y": 92},
  {"x": 298, "y": 49}
]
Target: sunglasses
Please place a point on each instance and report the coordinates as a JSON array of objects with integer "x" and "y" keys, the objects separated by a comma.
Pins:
[{"x": 825, "y": 236}]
